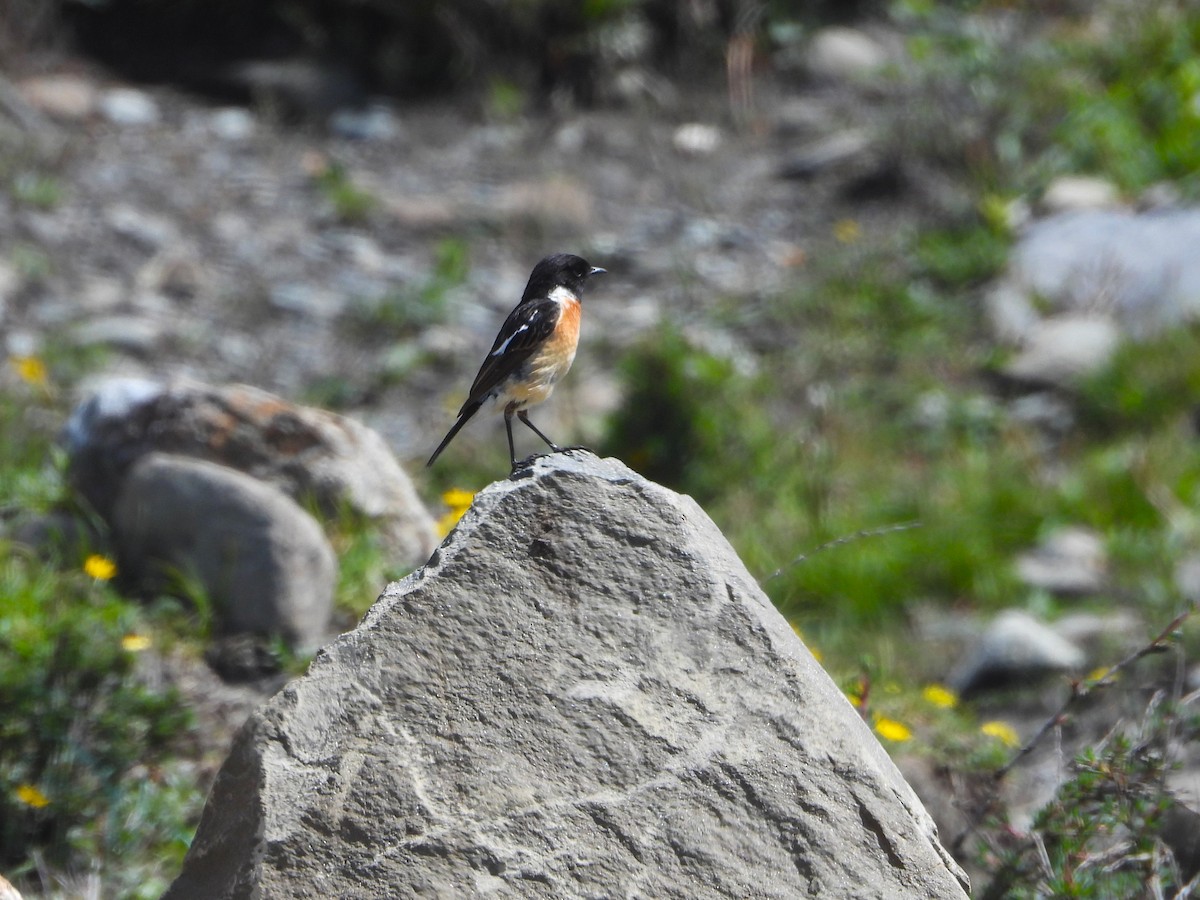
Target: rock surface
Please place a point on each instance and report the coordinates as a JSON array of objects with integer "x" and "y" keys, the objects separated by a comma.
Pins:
[
  {"x": 583, "y": 693},
  {"x": 263, "y": 561}
]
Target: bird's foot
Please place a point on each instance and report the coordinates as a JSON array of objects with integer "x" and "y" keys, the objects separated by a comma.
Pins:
[{"x": 520, "y": 466}]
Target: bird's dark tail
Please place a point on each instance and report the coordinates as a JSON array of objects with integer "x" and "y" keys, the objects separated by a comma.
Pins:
[{"x": 463, "y": 417}]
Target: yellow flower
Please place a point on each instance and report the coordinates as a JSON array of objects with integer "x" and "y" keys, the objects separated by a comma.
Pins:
[
  {"x": 31, "y": 370},
  {"x": 99, "y": 567},
  {"x": 847, "y": 231},
  {"x": 891, "y": 730},
  {"x": 939, "y": 696},
  {"x": 459, "y": 502},
  {"x": 457, "y": 498},
  {"x": 135, "y": 643},
  {"x": 31, "y": 796},
  {"x": 1001, "y": 731}
]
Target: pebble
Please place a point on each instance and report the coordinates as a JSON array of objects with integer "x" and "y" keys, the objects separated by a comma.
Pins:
[
  {"x": 128, "y": 106},
  {"x": 232, "y": 124},
  {"x": 375, "y": 123},
  {"x": 839, "y": 53},
  {"x": 65, "y": 97},
  {"x": 150, "y": 230},
  {"x": 307, "y": 300},
  {"x": 1078, "y": 192},
  {"x": 696, "y": 139},
  {"x": 131, "y": 334},
  {"x": 1070, "y": 561},
  {"x": 1065, "y": 350},
  {"x": 837, "y": 149}
]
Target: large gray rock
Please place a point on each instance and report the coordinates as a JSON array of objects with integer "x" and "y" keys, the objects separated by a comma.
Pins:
[
  {"x": 583, "y": 693},
  {"x": 307, "y": 453},
  {"x": 262, "y": 561},
  {"x": 1141, "y": 271}
]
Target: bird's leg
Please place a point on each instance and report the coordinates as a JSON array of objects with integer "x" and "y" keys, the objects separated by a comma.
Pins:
[
  {"x": 512, "y": 453},
  {"x": 523, "y": 415}
]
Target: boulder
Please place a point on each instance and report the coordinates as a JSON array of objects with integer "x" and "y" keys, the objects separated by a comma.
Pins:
[
  {"x": 1139, "y": 270},
  {"x": 263, "y": 562},
  {"x": 308, "y": 453},
  {"x": 582, "y": 693}
]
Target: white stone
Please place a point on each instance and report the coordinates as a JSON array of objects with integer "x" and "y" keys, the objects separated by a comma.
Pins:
[
  {"x": 842, "y": 53},
  {"x": 232, "y": 124},
  {"x": 1075, "y": 192},
  {"x": 696, "y": 138},
  {"x": 1064, "y": 350},
  {"x": 128, "y": 106}
]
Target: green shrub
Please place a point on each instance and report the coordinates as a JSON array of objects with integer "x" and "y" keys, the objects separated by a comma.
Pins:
[
  {"x": 77, "y": 718},
  {"x": 687, "y": 420}
]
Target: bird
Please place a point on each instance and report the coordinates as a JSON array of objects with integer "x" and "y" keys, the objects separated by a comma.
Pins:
[{"x": 534, "y": 348}]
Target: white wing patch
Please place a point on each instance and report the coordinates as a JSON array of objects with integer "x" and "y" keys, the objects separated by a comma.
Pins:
[{"x": 499, "y": 351}]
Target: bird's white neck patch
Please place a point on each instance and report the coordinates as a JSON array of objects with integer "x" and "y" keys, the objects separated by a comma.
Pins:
[{"x": 562, "y": 295}]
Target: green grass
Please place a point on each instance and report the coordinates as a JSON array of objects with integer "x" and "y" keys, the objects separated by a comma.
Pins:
[{"x": 84, "y": 737}]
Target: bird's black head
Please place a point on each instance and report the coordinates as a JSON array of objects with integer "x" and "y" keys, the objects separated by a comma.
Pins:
[{"x": 559, "y": 270}]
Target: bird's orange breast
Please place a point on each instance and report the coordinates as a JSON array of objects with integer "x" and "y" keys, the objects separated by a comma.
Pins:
[{"x": 553, "y": 360}]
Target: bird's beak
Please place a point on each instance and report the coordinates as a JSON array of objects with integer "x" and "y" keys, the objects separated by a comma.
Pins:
[{"x": 596, "y": 270}]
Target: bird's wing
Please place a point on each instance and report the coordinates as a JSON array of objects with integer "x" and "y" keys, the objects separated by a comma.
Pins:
[{"x": 525, "y": 329}]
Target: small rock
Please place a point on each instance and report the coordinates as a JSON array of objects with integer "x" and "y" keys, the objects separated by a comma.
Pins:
[
  {"x": 1064, "y": 350},
  {"x": 1070, "y": 561},
  {"x": 130, "y": 334},
  {"x": 262, "y": 561},
  {"x": 65, "y": 97},
  {"x": 696, "y": 139},
  {"x": 375, "y": 123},
  {"x": 1187, "y": 577},
  {"x": 1069, "y": 193},
  {"x": 1092, "y": 631},
  {"x": 232, "y": 124},
  {"x": 240, "y": 658},
  {"x": 150, "y": 231},
  {"x": 1015, "y": 647},
  {"x": 835, "y": 150},
  {"x": 128, "y": 106},
  {"x": 307, "y": 300},
  {"x": 840, "y": 53}
]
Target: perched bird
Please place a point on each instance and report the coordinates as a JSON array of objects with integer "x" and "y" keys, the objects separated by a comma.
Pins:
[{"x": 534, "y": 349}]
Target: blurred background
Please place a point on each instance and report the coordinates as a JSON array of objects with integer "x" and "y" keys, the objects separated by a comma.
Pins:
[{"x": 903, "y": 292}]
